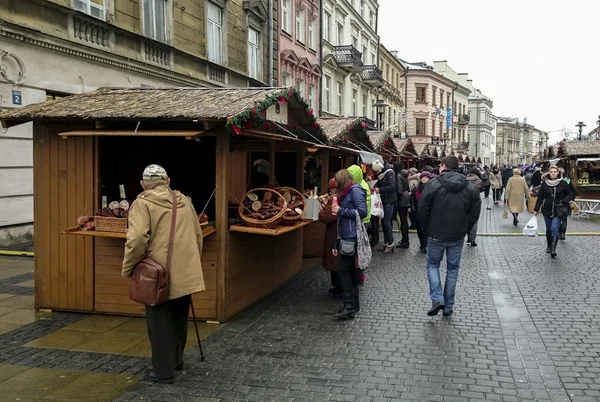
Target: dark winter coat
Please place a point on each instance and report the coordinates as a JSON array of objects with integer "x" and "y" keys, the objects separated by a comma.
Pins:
[
  {"x": 330, "y": 262},
  {"x": 506, "y": 175},
  {"x": 414, "y": 202},
  {"x": 553, "y": 201},
  {"x": 403, "y": 189},
  {"x": 536, "y": 179},
  {"x": 477, "y": 183},
  {"x": 387, "y": 185},
  {"x": 354, "y": 200},
  {"x": 486, "y": 178},
  {"x": 449, "y": 207}
]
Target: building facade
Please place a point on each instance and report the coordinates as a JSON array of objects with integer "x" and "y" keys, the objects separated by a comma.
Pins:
[
  {"x": 299, "y": 39},
  {"x": 350, "y": 58},
  {"x": 428, "y": 104},
  {"x": 390, "y": 93},
  {"x": 518, "y": 142},
  {"x": 460, "y": 108},
  {"x": 481, "y": 128},
  {"x": 65, "y": 47}
]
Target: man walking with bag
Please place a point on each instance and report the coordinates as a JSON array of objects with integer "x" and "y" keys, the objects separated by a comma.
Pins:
[
  {"x": 448, "y": 209},
  {"x": 175, "y": 244}
]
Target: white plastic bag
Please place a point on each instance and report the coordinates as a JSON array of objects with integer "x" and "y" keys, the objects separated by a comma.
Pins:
[
  {"x": 531, "y": 229},
  {"x": 376, "y": 205}
]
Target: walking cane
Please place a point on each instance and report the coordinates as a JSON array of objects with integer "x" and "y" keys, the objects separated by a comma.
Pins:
[{"x": 196, "y": 327}]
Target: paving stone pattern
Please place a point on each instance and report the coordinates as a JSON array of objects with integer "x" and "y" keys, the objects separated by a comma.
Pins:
[{"x": 11, "y": 285}]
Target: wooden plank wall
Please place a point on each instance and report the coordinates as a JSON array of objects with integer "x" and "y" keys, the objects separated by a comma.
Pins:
[
  {"x": 63, "y": 190},
  {"x": 257, "y": 265},
  {"x": 314, "y": 238},
  {"x": 112, "y": 290},
  {"x": 238, "y": 176}
]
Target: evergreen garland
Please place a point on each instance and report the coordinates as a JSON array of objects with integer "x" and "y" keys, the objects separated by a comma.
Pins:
[
  {"x": 342, "y": 138},
  {"x": 251, "y": 117}
]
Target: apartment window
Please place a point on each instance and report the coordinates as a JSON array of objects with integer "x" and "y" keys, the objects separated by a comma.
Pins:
[
  {"x": 285, "y": 80},
  {"x": 371, "y": 18},
  {"x": 327, "y": 94},
  {"x": 355, "y": 38},
  {"x": 253, "y": 53},
  {"x": 364, "y": 105},
  {"x": 326, "y": 25},
  {"x": 441, "y": 98},
  {"x": 354, "y": 97},
  {"x": 311, "y": 34},
  {"x": 155, "y": 19},
  {"x": 312, "y": 96},
  {"x": 285, "y": 16},
  {"x": 433, "y": 128},
  {"x": 95, "y": 8},
  {"x": 300, "y": 33},
  {"x": 365, "y": 53},
  {"x": 422, "y": 94},
  {"x": 361, "y": 7},
  {"x": 448, "y": 100},
  {"x": 214, "y": 34},
  {"x": 441, "y": 128},
  {"x": 421, "y": 123},
  {"x": 340, "y": 34},
  {"x": 454, "y": 107},
  {"x": 300, "y": 86},
  {"x": 340, "y": 99},
  {"x": 434, "y": 92}
]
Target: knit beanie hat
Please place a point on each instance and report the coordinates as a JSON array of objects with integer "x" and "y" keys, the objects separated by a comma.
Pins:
[{"x": 425, "y": 174}]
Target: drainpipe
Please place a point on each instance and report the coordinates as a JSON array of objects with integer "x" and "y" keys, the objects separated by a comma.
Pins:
[
  {"x": 271, "y": 41},
  {"x": 406, "y": 99},
  {"x": 320, "y": 114},
  {"x": 478, "y": 131},
  {"x": 453, "y": 112}
]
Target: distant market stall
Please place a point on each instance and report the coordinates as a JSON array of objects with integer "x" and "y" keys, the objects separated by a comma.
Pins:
[
  {"x": 239, "y": 154},
  {"x": 581, "y": 160}
]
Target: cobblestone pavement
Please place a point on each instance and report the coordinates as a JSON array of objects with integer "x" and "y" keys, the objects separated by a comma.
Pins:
[{"x": 524, "y": 328}]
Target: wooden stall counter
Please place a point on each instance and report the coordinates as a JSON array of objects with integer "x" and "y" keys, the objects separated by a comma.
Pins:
[{"x": 276, "y": 231}]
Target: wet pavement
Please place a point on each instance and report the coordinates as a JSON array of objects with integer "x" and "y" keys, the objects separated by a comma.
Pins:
[{"x": 524, "y": 328}]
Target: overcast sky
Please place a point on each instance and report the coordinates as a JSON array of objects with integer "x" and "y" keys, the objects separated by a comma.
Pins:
[{"x": 538, "y": 59}]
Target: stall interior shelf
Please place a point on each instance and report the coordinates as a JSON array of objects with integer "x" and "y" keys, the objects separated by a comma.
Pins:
[{"x": 276, "y": 231}]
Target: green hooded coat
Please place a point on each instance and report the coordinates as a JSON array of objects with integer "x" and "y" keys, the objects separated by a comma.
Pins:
[{"x": 357, "y": 176}]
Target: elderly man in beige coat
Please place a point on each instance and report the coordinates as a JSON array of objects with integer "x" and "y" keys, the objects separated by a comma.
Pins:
[
  {"x": 148, "y": 236},
  {"x": 516, "y": 193}
]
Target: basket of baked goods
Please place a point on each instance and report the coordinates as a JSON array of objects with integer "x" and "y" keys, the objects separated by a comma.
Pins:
[
  {"x": 112, "y": 218},
  {"x": 262, "y": 208},
  {"x": 296, "y": 207}
]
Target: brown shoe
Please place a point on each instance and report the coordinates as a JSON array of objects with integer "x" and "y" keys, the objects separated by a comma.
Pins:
[{"x": 388, "y": 249}]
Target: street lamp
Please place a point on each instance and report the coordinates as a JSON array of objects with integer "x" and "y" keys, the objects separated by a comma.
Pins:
[
  {"x": 380, "y": 105},
  {"x": 581, "y": 126}
]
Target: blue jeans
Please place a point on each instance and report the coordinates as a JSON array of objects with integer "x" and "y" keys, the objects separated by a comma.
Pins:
[
  {"x": 389, "y": 213},
  {"x": 552, "y": 225},
  {"x": 435, "y": 253}
]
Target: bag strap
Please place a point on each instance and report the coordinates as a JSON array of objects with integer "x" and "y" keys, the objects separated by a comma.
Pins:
[{"x": 172, "y": 234}]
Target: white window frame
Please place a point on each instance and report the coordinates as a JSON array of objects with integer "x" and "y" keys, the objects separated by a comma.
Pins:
[
  {"x": 254, "y": 54},
  {"x": 312, "y": 91},
  {"x": 365, "y": 100},
  {"x": 286, "y": 13},
  {"x": 340, "y": 33},
  {"x": 327, "y": 93},
  {"x": 284, "y": 80},
  {"x": 86, "y": 6},
  {"x": 327, "y": 26},
  {"x": 300, "y": 24},
  {"x": 156, "y": 24},
  {"x": 354, "y": 102},
  {"x": 300, "y": 86},
  {"x": 216, "y": 56},
  {"x": 339, "y": 86},
  {"x": 311, "y": 35}
]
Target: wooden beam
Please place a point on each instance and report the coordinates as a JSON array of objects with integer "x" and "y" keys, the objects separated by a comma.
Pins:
[
  {"x": 325, "y": 171},
  {"x": 132, "y": 133},
  {"x": 222, "y": 221}
]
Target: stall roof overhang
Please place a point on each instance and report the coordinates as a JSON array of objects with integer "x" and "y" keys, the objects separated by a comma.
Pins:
[
  {"x": 175, "y": 104},
  {"x": 582, "y": 148},
  {"x": 333, "y": 126}
]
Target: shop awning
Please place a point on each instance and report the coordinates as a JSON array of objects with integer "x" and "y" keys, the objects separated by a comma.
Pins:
[
  {"x": 368, "y": 158},
  {"x": 588, "y": 160},
  {"x": 132, "y": 133}
]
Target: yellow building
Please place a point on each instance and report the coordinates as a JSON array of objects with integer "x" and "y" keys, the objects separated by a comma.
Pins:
[{"x": 390, "y": 92}]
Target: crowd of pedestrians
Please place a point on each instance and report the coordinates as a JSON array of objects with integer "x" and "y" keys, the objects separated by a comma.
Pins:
[{"x": 443, "y": 206}]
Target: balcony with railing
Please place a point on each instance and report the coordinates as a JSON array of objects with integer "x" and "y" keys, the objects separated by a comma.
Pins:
[
  {"x": 462, "y": 146},
  {"x": 463, "y": 119},
  {"x": 372, "y": 75},
  {"x": 348, "y": 58}
]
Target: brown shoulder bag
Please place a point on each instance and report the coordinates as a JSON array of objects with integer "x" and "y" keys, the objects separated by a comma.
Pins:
[{"x": 149, "y": 280}]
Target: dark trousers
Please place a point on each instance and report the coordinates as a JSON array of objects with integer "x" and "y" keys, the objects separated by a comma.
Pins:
[
  {"x": 334, "y": 279},
  {"x": 403, "y": 212},
  {"x": 348, "y": 278},
  {"x": 563, "y": 225},
  {"x": 389, "y": 212},
  {"x": 421, "y": 234},
  {"x": 486, "y": 191},
  {"x": 497, "y": 194},
  {"x": 167, "y": 326}
]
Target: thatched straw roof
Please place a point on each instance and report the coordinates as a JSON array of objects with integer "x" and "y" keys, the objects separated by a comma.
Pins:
[
  {"x": 422, "y": 149},
  {"x": 333, "y": 127},
  {"x": 582, "y": 148},
  {"x": 147, "y": 103}
]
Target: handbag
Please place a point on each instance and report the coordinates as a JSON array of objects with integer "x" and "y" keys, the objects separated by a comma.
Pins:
[
  {"x": 347, "y": 248},
  {"x": 505, "y": 214},
  {"x": 149, "y": 280}
]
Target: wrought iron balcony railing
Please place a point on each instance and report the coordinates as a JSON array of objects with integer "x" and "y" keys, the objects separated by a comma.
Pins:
[
  {"x": 348, "y": 58},
  {"x": 372, "y": 75}
]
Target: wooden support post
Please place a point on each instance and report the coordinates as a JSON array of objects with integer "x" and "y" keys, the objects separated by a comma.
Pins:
[
  {"x": 300, "y": 162},
  {"x": 222, "y": 220},
  {"x": 272, "y": 163},
  {"x": 325, "y": 171}
]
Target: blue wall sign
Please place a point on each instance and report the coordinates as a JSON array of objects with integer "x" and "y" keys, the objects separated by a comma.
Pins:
[
  {"x": 17, "y": 99},
  {"x": 449, "y": 117}
]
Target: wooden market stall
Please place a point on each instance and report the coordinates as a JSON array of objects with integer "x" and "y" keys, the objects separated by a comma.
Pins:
[
  {"x": 209, "y": 140},
  {"x": 581, "y": 159},
  {"x": 383, "y": 144},
  {"x": 406, "y": 149}
]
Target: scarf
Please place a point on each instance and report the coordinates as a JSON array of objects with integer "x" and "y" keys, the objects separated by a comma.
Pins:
[
  {"x": 382, "y": 175},
  {"x": 346, "y": 190},
  {"x": 419, "y": 191},
  {"x": 553, "y": 183}
]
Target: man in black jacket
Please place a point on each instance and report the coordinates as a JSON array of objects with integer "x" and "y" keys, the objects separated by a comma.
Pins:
[
  {"x": 386, "y": 186},
  {"x": 448, "y": 209}
]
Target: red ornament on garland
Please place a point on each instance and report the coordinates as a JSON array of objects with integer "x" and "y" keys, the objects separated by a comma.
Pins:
[
  {"x": 282, "y": 99},
  {"x": 253, "y": 111},
  {"x": 363, "y": 124},
  {"x": 316, "y": 126},
  {"x": 236, "y": 130},
  {"x": 310, "y": 112},
  {"x": 248, "y": 124},
  {"x": 266, "y": 124}
]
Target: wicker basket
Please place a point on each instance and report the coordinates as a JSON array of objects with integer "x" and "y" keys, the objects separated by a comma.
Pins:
[
  {"x": 290, "y": 220},
  {"x": 106, "y": 224},
  {"x": 263, "y": 223}
]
